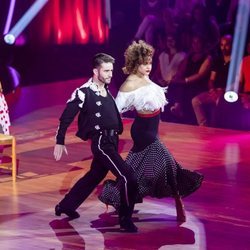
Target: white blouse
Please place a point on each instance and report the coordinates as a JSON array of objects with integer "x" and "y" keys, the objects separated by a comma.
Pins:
[
  {"x": 150, "y": 97},
  {"x": 170, "y": 68}
]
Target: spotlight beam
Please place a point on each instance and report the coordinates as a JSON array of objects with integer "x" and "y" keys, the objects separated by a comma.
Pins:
[
  {"x": 27, "y": 18},
  {"x": 9, "y": 17}
]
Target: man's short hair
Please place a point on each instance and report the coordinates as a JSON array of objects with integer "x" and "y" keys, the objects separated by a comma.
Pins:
[{"x": 102, "y": 58}]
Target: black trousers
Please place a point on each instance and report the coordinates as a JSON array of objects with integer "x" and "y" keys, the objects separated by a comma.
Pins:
[{"x": 105, "y": 157}]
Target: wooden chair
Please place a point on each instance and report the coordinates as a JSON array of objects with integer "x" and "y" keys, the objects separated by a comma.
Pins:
[{"x": 8, "y": 160}]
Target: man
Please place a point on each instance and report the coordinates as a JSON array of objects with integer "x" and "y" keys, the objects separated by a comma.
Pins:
[
  {"x": 217, "y": 83},
  {"x": 245, "y": 88},
  {"x": 245, "y": 78},
  {"x": 99, "y": 121}
]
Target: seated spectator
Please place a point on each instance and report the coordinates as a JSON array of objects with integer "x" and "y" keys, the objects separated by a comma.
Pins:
[
  {"x": 152, "y": 20},
  {"x": 245, "y": 77},
  {"x": 232, "y": 9},
  {"x": 192, "y": 79},
  {"x": 170, "y": 25},
  {"x": 200, "y": 23},
  {"x": 183, "y": 8},
  {"x": 168, "y": 64},
  {"x": 219, "y": 9},
  {"x": 169, "y": 61},
  {"x": 245, "y": 85},
  {"x": 217, "y": 83}
]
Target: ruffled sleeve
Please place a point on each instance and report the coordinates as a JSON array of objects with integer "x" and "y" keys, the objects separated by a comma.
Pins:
[
  {"x": 149, "y": 97},
  {"x": 124, "y": 101}
]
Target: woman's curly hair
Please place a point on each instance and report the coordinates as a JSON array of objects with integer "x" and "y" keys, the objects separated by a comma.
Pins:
[{"x": 136, "y": 54}]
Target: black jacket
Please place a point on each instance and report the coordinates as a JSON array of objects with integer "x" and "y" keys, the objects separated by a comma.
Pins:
[{"x": 95, "y": 113}]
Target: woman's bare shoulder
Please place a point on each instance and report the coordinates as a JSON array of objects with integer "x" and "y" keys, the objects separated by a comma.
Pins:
[
  {"x": 129, "y": 85},
  {"x": 132, "y": 83}
]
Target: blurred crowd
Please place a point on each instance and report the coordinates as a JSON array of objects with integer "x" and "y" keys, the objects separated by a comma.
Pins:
[{"x": 193, "y": 46}]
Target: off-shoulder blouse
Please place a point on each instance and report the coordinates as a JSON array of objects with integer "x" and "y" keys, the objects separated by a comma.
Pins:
[{"x": 150, "y": 97}]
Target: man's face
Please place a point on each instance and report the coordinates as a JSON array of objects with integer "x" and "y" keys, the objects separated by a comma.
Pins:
[
  {"x": 104, "y": 73},
  {"x": 226, "y": 46}
]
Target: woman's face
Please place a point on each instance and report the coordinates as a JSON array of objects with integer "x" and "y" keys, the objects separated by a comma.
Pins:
[
  {"x": 197, "y": 45},
  {"x": 170, "y": 42},
  {"x": 145, "y": 68}
]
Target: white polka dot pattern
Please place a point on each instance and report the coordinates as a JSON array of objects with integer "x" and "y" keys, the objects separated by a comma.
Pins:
[{"x": 158, "y": 175}]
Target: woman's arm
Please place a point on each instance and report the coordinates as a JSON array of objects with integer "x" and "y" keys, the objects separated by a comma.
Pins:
[{"x": 203, "y": 71}]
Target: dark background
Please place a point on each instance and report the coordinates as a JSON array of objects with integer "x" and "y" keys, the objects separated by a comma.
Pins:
[{"x": 47, "y": 62}]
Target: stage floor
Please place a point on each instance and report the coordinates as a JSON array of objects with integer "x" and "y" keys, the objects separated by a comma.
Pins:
[{"x": 217, "y": 214}]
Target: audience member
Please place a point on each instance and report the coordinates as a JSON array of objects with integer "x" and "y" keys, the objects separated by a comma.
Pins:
[
  {"x": 200, "y": 23},
  {"x": 170, "y": 25},
  {"x": 245, "y": 86},
  {"x": 217, "y": 83},
  {"x": 169, "y": 61},
  {"x": 192, "y": 79},
  {"x": 218, "y": 9},
  {"x": 168, "y": 64},
  {"x": 245, "y": 71},
  {"x": 183, "y": 8},
  {"x": 152, "y": 20}
]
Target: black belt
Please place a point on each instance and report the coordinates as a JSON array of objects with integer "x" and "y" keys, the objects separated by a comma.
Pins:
[
  {"x": 108, "y": 132},
  {"x": 105, "y": 132}
]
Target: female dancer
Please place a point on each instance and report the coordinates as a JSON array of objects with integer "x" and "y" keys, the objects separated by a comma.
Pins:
[{"x": 158, "y": 174}]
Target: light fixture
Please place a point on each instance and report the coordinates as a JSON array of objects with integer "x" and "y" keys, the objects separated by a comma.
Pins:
[
  {"x": 231, "y": 96},
  {"x": 17, "y": 29},
  {"x": 9, "y": 39}
]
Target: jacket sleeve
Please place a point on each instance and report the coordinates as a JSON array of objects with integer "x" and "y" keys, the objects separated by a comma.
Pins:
[{"x": 74, "y": 104}]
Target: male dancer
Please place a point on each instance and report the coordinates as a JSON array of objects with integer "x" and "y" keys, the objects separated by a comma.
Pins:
[{"x": 99, "y": 121}]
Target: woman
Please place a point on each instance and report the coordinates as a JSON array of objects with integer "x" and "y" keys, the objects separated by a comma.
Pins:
[
  {"x": 190, "y": 80},
  {"x": 151, "y": 12},
  {"x": 169, "y": 60},
  {"x": 158, "y": 174}
]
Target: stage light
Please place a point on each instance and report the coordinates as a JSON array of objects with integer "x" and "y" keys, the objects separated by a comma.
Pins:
[
  {"x": 231, "y": 96},
  {"x": 239, "y": 40},
  {"x": 9, "y": 39},
  {"x": 24, "y": 21}
]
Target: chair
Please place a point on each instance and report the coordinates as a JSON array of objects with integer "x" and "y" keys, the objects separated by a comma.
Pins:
[{"x": 8, "y": 159}]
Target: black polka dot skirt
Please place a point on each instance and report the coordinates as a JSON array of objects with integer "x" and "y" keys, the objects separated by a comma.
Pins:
[{"x": 158, "y": 175}]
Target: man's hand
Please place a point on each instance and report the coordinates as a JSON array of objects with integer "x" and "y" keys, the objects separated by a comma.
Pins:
[{"x": 58, "y": 151}]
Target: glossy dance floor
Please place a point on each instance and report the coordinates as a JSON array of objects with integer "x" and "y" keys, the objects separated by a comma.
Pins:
[{"x": 217, "y": 214}]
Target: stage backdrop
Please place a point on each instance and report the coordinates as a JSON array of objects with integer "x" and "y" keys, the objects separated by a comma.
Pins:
[{"x": 71, "y": 22}]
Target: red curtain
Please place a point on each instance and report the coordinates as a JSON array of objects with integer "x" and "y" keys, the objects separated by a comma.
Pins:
[{"x": 74, "y": 21}]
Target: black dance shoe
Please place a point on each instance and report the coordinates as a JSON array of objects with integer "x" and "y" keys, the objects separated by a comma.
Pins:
[
  {"x": 127, "y": 225},
  {"x": 70, "y": 213}
]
